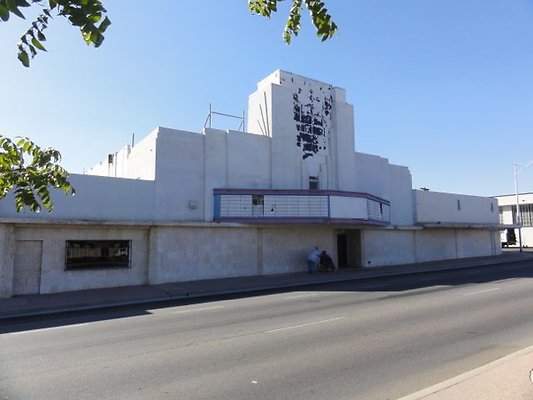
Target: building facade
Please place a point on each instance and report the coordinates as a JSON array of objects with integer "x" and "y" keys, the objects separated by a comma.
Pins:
[
  {"x": 184, "y": 206},
  {"x": 508, "y": 217}
]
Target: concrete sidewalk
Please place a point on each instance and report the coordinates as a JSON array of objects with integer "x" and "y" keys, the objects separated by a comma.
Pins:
[
  {"x": 508, "y": 378},
  {"x": 33, "y": 305}
]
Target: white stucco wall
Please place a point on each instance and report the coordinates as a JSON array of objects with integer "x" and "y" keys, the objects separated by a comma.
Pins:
[
  {"x": 393, "y": 247},
  {"x": 188, "y": 254},
  {"x": 390, "y": 182},
  {"x": 193, "y": 253},
  {"x": 476, "y": 243},
  {"x": 54, "y": 278},
  {"x": 97, "y": 198},
  {"x": 141, "y": 158},
  {"x": 180, "y": 175},
  {"x": 387, "y": 247},
  {"x": 174, "y": 253},
  {"x": 435, "y": 244},
  {"x": 134, "y": 162},
  {"x": 435, "y": 207},
  {"x": 285, "y": 249}
]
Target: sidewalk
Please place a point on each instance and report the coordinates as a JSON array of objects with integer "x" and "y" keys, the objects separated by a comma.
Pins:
[
  {"x": 508, "y": 378},
  {"x": 33, "y": 305}
]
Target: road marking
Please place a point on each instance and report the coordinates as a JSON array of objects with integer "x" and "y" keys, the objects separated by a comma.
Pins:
[
  {"x": 297, "y": 296},
  {"x": 48, "y": 329},
  {"x": 481, "y": 291},
  {"x": 302, "y": 325},
  {"x": 197, "y": 309}
]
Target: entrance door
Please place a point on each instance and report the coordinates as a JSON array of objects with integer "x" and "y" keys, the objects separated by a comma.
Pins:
[
  {"x": 349, "y": 248},
  {"x": 27, "y": 267},
  {"x": 342, "y": 250},
  {"x": 354, "y": 247}
]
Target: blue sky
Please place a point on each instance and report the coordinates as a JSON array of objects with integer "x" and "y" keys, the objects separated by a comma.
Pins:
[{"x": 443, "y": 87}]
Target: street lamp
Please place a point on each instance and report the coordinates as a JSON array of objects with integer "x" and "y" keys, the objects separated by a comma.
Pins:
[{"x": 518, "y": 213}]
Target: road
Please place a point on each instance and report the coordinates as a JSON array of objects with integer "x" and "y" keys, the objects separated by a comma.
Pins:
[{"x": 373, "y": 339}]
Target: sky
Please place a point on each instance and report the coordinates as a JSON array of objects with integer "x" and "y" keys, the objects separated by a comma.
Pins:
[{"x": 443, "y": 87}]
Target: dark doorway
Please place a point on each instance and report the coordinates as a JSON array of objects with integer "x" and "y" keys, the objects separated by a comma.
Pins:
[
  {"x": 349, "y": 248},
  {"x": 342, "y": 250}
]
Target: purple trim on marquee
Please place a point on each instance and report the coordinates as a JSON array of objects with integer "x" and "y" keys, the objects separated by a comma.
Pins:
[
  {"x": 288, "y": 192},
  {"x": 300, "y": 220}
]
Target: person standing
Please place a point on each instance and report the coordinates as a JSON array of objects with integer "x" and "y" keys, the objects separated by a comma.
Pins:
[{"x": 312, "y": 260}]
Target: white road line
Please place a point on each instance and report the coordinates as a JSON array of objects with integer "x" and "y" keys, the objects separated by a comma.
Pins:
[
  {"x": 481, "y": 291},
  {"x": 197, "y": 309},
  {"x": 297, "y": 296},
  {"x": 47, "y": 329},
  {"x": 302, "y": 325}
]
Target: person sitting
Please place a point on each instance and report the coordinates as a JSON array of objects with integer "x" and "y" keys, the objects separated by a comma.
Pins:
[{"x": 326, "y": 263}]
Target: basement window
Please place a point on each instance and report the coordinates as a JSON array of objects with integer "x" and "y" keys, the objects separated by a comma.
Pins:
[{"x": 97, "y": 254}]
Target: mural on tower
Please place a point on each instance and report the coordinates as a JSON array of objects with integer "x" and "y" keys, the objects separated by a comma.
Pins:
[{"x": 312, "y": 103}]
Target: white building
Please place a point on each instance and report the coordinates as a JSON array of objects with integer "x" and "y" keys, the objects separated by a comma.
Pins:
[
  {"x": 188, "y": 206},
  {"x": 508, "y": 217}
]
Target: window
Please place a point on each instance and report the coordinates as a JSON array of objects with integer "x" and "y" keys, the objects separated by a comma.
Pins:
[
  {"x": 313, "y": 183},
  {"x": 97, "y": 254},
  {"x": 258, "y": 199},
  {"x": 526, "y": 213}
]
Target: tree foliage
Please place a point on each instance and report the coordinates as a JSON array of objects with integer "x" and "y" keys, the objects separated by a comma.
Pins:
[
  {"x": 88, "y": 15},
  {"x": 325, "y": 27},
  {"x": 31, "y": 171}
]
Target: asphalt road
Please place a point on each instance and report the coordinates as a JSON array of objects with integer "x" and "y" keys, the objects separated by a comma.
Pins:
[{"x": 374, "y": 339}]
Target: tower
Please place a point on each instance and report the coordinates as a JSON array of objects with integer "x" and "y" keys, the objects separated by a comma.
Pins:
[{"x": 311, "y": 129}]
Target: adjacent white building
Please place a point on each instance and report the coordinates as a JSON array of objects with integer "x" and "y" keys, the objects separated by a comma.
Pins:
[
  {"x": 508, "y": 216},
  {"x": 184, "y": 206}
]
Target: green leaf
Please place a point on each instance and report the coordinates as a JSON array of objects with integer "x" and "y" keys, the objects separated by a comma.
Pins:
[
  {"x": 4, "y": 13},
  {"x": 13, "y": 7},
  {"x": 24, "y": 58},
  {"x": 104, "y": 25},
  {"x": 38, "y": 44}
]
